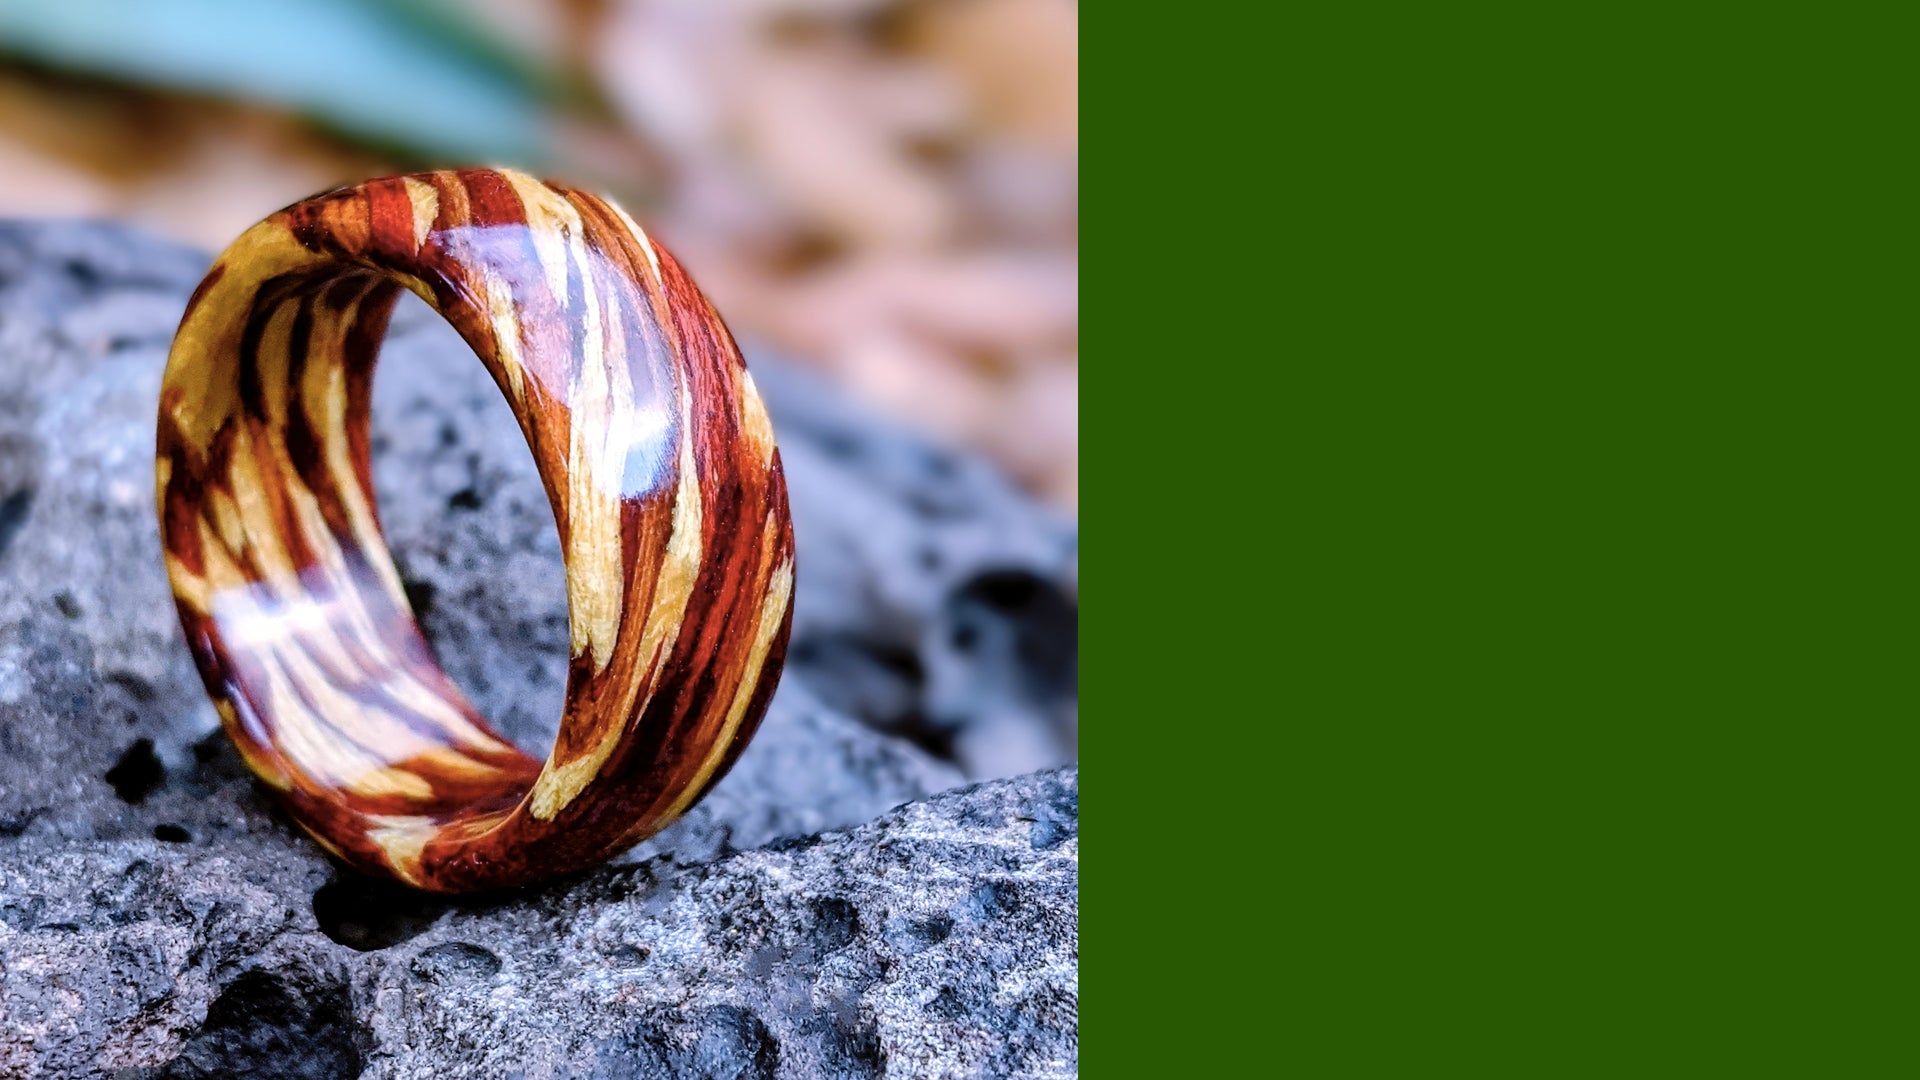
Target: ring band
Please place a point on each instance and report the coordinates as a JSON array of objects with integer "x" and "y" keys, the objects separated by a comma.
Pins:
[{"x": 657, "y": 456}]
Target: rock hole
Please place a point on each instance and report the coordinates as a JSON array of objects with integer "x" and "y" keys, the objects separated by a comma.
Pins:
[
  {"x": 119, "y": 342},
  {"x": 843, "y": 1044},
  {"x": 21, "y": 912},
  {"x": 169, "y": 833},
  {"x": 947, "y": 1005},
  {"x": 941, "y": 465},
  {"x": 66, "y": 605},
  {"x": 878, "y": 682},
  {"x": 464, "y": 499},
  {"x": 1009, "y": 592},
  {"x": 453, "y": 962},
  {"x": 1019, "y": 618},
  {"x": 216, "y": 763},
  {"x": 82, "y": 272},
  {"x": 13, "y": 515},
  {"x": 721, "y": 1042},
  {"x": 991, "y": 901},
  {"x": 368, "y": 915},
  {"x": 420, "y": 596},
  {"x": 934, "y": 505},
  {"x": 910, "y": 936},
  {"x": 136, "y": 687},
  {"x": 137, "y": 774},
  {"x": 900, "y": 661},
  {"x": 834, "y": 924},
  {"x": 840, "y": 444},
  {"x": 293, "y": 1026}
]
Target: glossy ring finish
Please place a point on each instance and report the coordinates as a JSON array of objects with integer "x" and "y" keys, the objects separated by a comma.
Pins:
[{"x": 658, "y": 459}]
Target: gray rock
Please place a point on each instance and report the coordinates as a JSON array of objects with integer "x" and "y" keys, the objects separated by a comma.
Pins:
[
  {"x": 940, "y": 939},
  {"x": 158, "y": 916},
  {"x": 935, "y": 602}
]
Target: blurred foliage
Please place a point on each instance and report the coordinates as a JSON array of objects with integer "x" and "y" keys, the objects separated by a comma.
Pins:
[
  {"x": 885, "y": 188},
  {"x": 416, "y": 76}
]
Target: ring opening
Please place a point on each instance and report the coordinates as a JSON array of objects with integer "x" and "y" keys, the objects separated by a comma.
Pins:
[{"x": 324, "y": 657}]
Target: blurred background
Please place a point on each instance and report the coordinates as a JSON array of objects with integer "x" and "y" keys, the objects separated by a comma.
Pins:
[{"x": 885, "y": 189}]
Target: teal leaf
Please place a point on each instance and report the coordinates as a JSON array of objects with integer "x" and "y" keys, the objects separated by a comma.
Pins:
[{"x": 372, "y": 71}]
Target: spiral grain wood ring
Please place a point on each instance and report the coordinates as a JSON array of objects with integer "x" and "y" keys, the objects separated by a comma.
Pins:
[{"x": 657, "y": 456}]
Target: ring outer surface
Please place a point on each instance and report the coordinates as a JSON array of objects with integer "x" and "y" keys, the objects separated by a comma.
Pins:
[{"x": 659, "y": 462}]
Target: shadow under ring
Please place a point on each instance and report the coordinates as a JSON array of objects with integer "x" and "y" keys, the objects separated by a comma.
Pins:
[{"x": 658, "y": 460}]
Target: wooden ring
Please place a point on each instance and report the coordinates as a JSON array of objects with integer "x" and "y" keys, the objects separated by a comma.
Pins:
[{"x": 657, "y": 456}]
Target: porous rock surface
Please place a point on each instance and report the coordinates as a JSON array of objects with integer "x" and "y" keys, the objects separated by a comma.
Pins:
[{"x": 837, "y": 907}]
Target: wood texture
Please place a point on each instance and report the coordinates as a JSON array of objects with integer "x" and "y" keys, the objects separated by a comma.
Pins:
[{"x": 658, "y": 458}]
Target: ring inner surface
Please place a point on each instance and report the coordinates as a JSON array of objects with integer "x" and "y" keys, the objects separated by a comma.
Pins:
[{"x": 328, "y": 680}]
